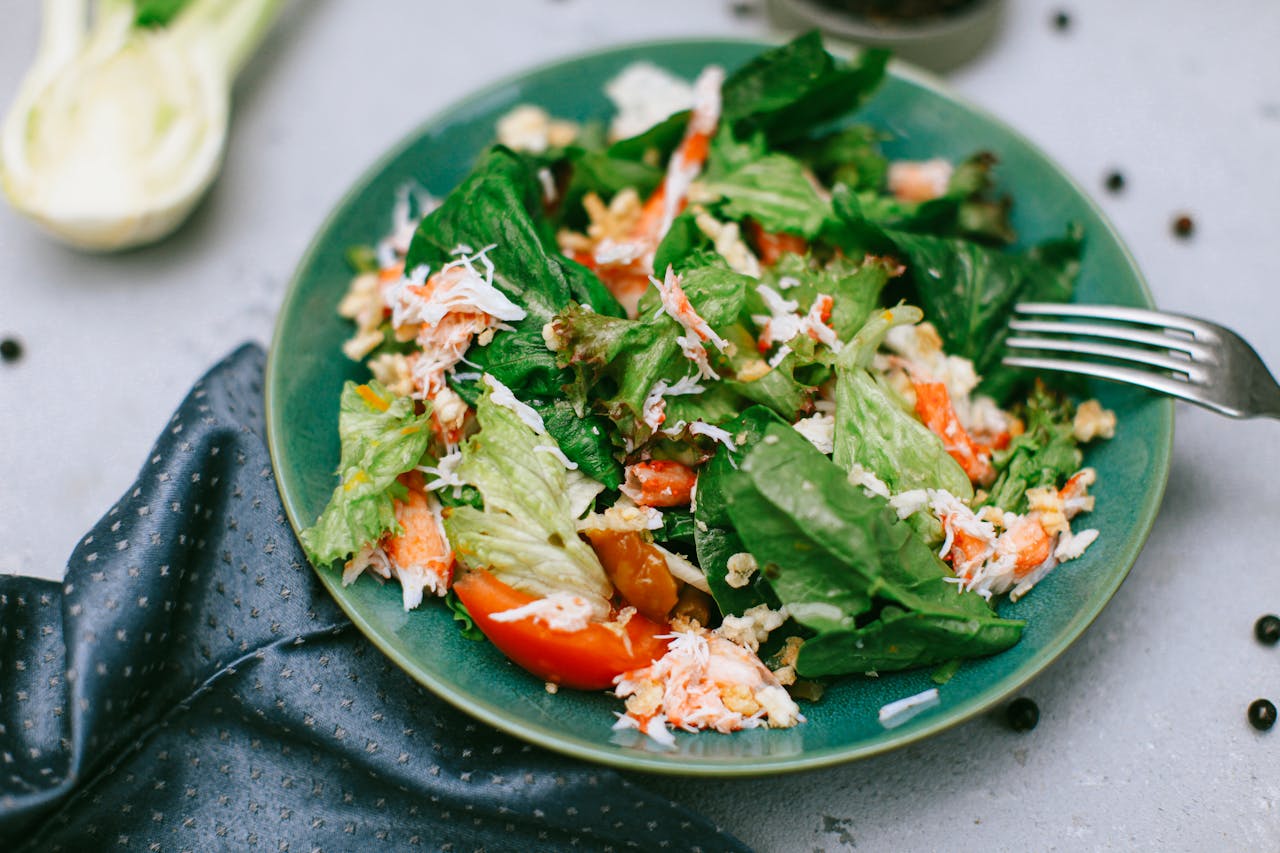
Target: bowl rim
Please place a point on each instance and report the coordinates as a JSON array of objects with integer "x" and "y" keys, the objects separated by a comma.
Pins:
[
  {"x": 754, "y": 765},
  {"x": 845, "y": 26}
]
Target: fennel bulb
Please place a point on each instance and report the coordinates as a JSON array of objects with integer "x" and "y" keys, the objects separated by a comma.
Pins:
[{"x": 118, "y": 128}]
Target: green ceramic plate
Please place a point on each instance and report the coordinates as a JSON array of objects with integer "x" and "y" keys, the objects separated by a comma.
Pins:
[{"x": 306, "y": 372}]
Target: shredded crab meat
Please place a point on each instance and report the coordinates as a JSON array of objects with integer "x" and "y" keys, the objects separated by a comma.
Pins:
[
  {"x": 559, "y": 611},
  {"x": 917, "y": 353},
  {"x": 993, "y": 551},
  {"x": 715, "y": 433},
  {"x": 501, "y": 395},
  {"x": 444, "y": 473},
  {"x": 625, "y": 515},
  {"x": 705, "y": 681},
  {"x": 697, "y": 331},
  {"x": 783, "y": 322},
  {"x": 654, "y": 410},
  {"x": 919, "y": 180},
  {"x": 448, "y": 309},
  {"x": 682, "y": 170},
  {"x": 418, "y": 557}
]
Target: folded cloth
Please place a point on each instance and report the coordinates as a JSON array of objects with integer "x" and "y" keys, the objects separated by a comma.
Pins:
[{"x": 191, "y": 686}]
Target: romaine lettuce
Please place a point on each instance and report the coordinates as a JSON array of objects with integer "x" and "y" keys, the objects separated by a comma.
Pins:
[
  {"x": 382, "y": 438},
  {"x": 874, "y": 430},
  {"x": 526, "y": 534}
]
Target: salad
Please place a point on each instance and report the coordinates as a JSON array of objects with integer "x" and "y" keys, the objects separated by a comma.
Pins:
[{"x": 705, "y": 407}]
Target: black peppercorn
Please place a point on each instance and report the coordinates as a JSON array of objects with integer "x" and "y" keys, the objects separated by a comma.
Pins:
[
  {"x": 1061, "y": 21},
  {"x": 1262, "y": 714},
  {"x": 10, "y": 349},
  {"x": 1022, "y": 714},
  {"x": 1267, "y": 629},
  {"x": 1115, "y": 182},
  {"x": 1183, "y": 226}
]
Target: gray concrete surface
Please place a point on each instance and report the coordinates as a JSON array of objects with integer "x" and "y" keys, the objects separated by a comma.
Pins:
[{"x": 1142, "y": 743}]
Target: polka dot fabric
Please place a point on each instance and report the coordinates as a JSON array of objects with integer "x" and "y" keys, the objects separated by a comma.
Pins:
[{"x": 192, "y": 687}]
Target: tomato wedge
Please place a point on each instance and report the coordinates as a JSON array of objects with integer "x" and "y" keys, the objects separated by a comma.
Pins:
[{"x": 587, "y": 659}]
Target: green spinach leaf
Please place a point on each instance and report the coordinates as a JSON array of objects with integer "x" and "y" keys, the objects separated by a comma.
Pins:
[{"x": 787, "y": 92}]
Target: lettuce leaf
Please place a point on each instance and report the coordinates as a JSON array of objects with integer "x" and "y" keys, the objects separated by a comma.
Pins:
[
  {"x": 772, "y": 190},
  {"x": 846, "y": 568},
  {"x": 968, "y": 290},
  {"x": 381, "y": 438},
  {"x": 874, "y": 430},
  {"x": 500, "y": 203},
  {"x": 598, "y": 172},
  {"x": 967, "y": 209},
  {"x": 849, "y": 156},
  {"x": 1045, "y": 454},
  {"x": 525, "y": 535},
  {"x": 787, "y": 92},
  {"x": 618, "y": 361}
]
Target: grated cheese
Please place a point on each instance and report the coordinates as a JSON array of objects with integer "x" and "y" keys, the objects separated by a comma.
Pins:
[
  {"x": 623, "y": 516},
  {"x": 727, "y": 238}
]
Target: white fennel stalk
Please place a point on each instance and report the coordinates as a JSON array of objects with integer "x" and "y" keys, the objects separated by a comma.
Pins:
[{"x": 117, "y": 130}]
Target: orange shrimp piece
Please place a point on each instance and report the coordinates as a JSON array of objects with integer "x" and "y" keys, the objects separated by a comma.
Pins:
[
  {"x": 772, "y": 245},
  {"x": 627, "y": 280},
  {"x": 919, "y": 180},
  {"x": 1030, "y": 542},
  {"x": 392, "y": 272},
  {"x": 966, "y": 550},
  {"x": 660, "y": 482},
  {"x": 421, "y": 545},
  {"x": 933, "y": 405}
]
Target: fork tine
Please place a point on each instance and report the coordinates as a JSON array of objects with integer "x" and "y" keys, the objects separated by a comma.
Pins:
[
  {"x": 1131, "y": 354},
  {"x": 1129, "y": 375},
  {"x": 1117, "y": 312},
  {"x": 1128, "y": 334}
]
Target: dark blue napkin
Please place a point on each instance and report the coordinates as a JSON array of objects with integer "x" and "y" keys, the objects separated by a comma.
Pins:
[{"x": 191, "y": 686}]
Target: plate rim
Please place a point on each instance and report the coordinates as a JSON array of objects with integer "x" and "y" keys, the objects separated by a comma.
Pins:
[{"x": 567, "y": 744}]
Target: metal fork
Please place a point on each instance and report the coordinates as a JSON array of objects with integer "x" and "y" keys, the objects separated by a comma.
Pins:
[{"x": 1181, "y": 356}]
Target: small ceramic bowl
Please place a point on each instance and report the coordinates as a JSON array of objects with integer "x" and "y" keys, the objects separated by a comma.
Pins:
[{"x": 939, "y": 43}]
